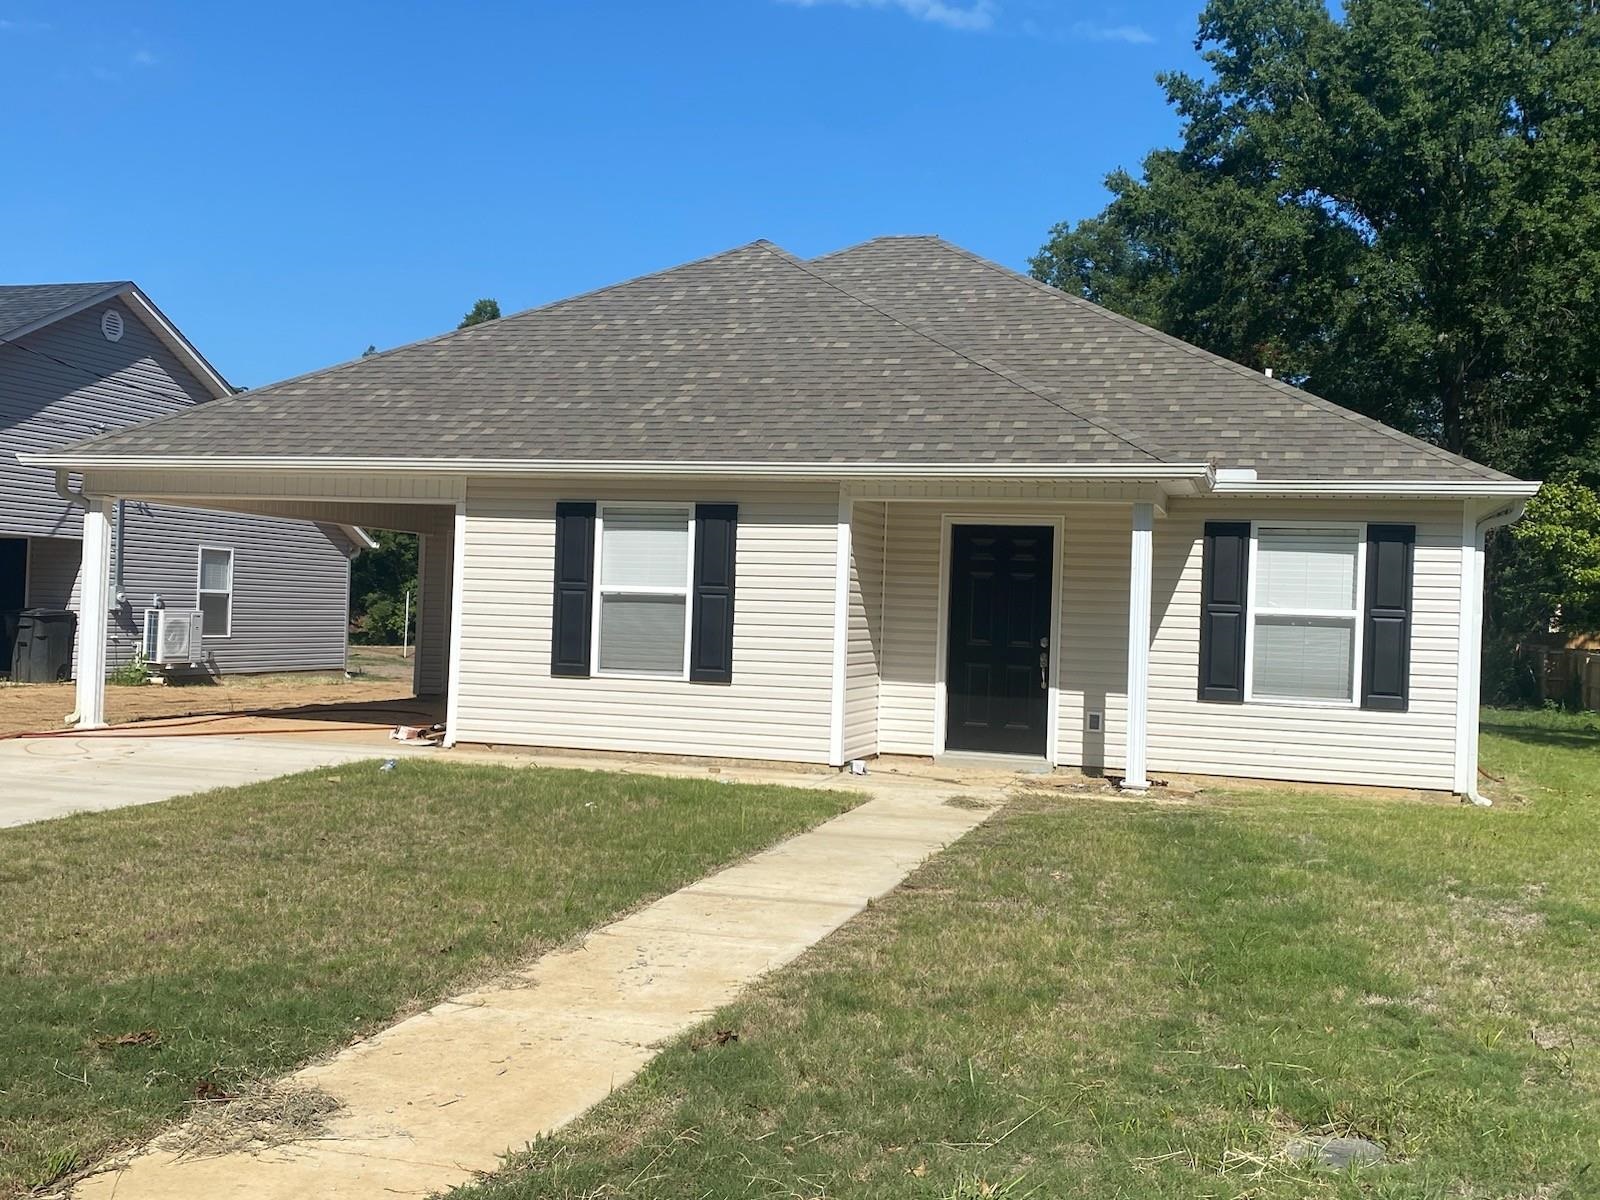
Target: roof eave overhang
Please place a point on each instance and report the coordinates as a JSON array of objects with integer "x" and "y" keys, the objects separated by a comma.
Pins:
[
  {"x": 1198, "y": 476},
  {"x": 1335, "y": 489}
]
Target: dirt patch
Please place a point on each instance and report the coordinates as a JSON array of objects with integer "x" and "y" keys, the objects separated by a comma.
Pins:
[{"x": 26, "y": 707}]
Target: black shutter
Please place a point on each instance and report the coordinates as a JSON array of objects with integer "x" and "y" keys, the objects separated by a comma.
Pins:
[
  {"x": 711, "y": 644},
  {"x": 574, "y": 588},
  {"x": 1223, "y": 581},
  {"x": 1386, "y": 640}
]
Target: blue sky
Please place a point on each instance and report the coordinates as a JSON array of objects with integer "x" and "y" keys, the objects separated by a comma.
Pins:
[{"x": 291, "y": 182}]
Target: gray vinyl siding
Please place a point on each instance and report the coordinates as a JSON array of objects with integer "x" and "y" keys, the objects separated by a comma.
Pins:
[
  {"x": 865, "y": 631},
  {"x": 66, "y": 382},
  {"x": 291, "y": 578},
  {"x": 778, "y": 704}
]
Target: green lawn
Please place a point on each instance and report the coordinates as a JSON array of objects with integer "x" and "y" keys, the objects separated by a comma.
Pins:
[
  {"x": 1110, "y": 999},
  {"x": 252, "y": 929}
]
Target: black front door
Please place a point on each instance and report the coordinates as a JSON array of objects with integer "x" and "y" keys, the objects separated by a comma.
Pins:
[
  {"x": 13, "y": 591},
  {"x": 999, "y": 644}
]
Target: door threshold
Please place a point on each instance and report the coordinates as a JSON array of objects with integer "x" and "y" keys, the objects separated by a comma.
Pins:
[{"x": 1029, "y": 764}]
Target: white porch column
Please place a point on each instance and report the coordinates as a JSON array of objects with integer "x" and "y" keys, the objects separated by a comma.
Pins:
[
  {"x": 458, "y": 592},
  {"x": 1140, "y": 574},
  {"x": 94, "y": 613}
]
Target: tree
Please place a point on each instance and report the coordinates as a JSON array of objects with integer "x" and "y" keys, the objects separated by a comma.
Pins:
[
  {"x": 379, "y": 581},
  {"x": 483, "y": 310},
  {"x": 1397, "y": 208}
]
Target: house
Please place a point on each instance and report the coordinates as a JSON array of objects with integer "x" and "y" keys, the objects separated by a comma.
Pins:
[
  {"x": 896, "y": 500},
  {"x": 79, "y": 359}
]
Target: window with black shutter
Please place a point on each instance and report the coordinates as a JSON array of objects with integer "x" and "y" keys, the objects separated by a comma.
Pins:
[
  {"x": 1386, "y": 641},
  {"x": 574, "y": 588},
  {"x": 1224, "y": 581}
]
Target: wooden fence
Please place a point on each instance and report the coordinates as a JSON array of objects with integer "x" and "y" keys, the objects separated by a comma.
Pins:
[{"x": 1569, "y": 676}]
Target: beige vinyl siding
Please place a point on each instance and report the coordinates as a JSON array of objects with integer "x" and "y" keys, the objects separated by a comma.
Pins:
[
  {"x": 1093, "y": 670},
  {"x": 435, "y": 568},
  {"x": 1322, "y": 744},
  {"x": 1091, "y": 660},
  {"x": 778, "y": 704},
  {"x": 865, "y": 630},
  {"x": 911, "y": 628}
]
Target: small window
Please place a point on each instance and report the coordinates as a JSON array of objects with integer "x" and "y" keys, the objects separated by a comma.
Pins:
[
  {"x": 641, "y": 622},
  {"x": 1305, "y": 587},
  {"x": 216, "y": 591}
]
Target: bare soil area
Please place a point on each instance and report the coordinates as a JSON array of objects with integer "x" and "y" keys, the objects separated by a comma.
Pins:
[{"x": 380, "y": 680}]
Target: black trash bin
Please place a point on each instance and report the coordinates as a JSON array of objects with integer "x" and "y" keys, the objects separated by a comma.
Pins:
[
  {"x": 43, "y": 650},
  {"x": 8, "y": 636}
]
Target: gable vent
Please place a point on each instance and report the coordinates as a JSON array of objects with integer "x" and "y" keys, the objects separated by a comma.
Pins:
[{"x": 111, "y": 325}]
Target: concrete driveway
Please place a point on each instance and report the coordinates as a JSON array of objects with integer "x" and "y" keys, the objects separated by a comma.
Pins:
[{"x": 51, "y": 777}]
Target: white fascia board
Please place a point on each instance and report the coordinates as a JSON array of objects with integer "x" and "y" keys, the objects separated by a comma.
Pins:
[
  {"x": 1448, "y": 490},
  {"x": 1140, "y": 472},
  {"x": 358, "y": 535},
  {"x": 164, "y": 329}
]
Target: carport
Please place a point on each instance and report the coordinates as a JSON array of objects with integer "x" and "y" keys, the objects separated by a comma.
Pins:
[{"x": 428, "y": 506}]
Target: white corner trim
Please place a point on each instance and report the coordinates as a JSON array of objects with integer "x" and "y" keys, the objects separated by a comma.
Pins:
[
  {"x": 1477, "y": 519},
  {"x": 458, "y": 591},
  {"x": 841, "y": 629},
  {"x": 1141, "y": 564}
]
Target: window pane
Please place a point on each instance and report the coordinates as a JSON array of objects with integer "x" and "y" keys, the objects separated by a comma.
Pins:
[
  {"x": 1298, "y": 658},
  {"x": 214, "y": 608},
  {"x": 644, "y": 548},
  {"x": 1306, "y": 568},
  {"x": 216, "y": 571},
  {"x": 642, "y": 633}
]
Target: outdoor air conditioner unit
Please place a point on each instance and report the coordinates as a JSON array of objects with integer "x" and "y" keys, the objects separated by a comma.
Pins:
[{"x": 172, "y": 636}]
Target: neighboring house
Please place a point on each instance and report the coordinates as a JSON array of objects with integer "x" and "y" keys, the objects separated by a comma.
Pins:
[
  {"x": 895, "y": 500},
  {"x": 83, "y": 358}
]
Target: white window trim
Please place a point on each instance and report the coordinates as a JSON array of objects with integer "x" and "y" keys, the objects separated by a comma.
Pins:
[
  {"x": 601, "y": 589},
  {"x": 1355, "y": 615},
  {"x": 199, "y": 591}
]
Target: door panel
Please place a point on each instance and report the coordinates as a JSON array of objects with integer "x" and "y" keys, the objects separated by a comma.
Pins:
[{"x": 1000, "y": 593}]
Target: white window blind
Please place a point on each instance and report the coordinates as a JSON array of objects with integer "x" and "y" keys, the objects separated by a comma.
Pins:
[
  {"x": 215, "y": 591},
  {"x": 1306, "y": 595},
  {"x": 642, "y": 597}
]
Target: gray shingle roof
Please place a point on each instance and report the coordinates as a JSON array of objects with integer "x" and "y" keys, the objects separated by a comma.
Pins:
[
  {"x": 905, "y": 350},
  {"x": 1180, "y": 402},
  {"x": 748, "y": 356},
  {"x": 25, "y": 304}
]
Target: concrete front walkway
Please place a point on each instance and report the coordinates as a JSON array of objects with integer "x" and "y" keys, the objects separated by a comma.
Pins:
[
  {"x": 444, "y": 1094},
  {"x": 54, "y": 776}
]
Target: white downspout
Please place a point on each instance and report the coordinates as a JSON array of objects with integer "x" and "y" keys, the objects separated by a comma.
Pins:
[{"x": 1469, "y": 677}]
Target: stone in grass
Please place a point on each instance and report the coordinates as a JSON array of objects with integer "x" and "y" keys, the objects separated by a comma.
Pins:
[{"x": 1336, "y": 1152}]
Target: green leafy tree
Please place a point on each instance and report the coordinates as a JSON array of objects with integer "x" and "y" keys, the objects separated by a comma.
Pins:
[
  {"x": 483, "y": 310},
  {"x": 1397, "y": 207},
  {"x": 379, "y": 580}
]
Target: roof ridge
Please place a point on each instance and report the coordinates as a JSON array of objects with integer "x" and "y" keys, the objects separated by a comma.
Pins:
[
  {"x": 1009, "y": 374},
  {"x": 1288, "y": 390},
  {"x": 253, "y": 393}
]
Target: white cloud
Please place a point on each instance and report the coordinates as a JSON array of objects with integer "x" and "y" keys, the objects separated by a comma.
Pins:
[
  {"x": 971, "y": 17},
  {"x": 1134, "y": 35},
  {"x": 143, "y": 58}
]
